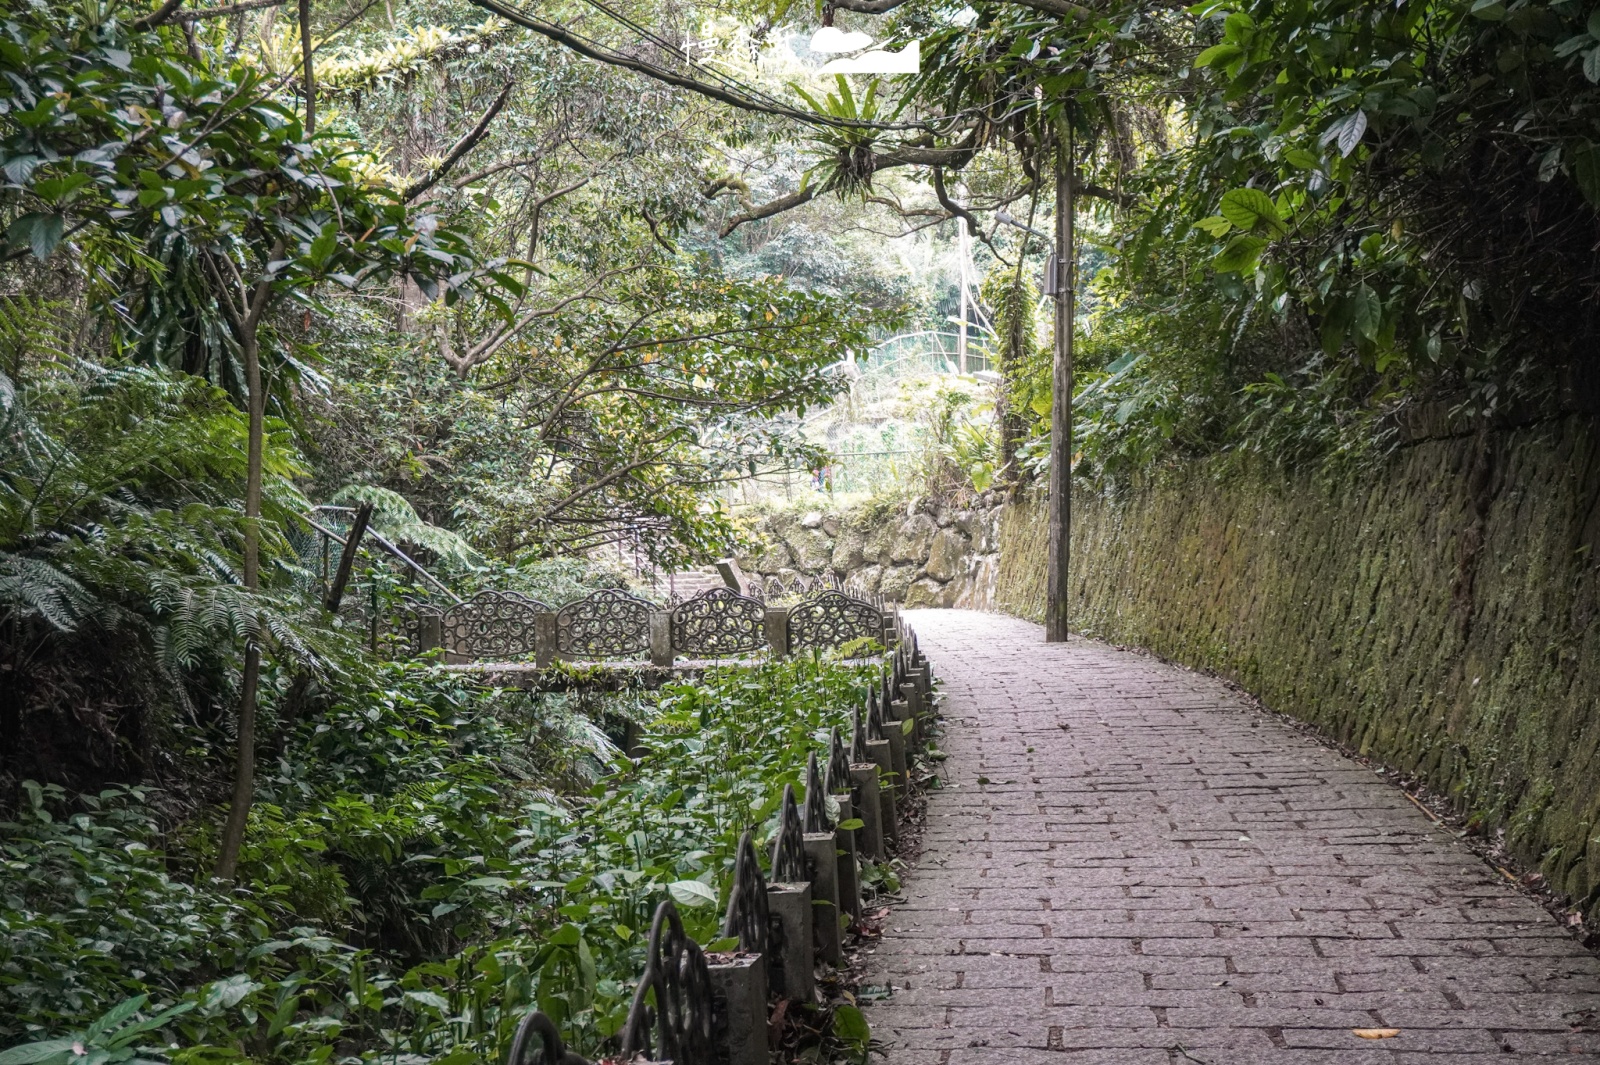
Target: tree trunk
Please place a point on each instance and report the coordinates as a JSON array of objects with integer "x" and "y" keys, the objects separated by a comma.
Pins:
[
  {"x": 245, "y": 766},
  {"x": 1057, "y": 605},
  {"x": 310, "y": 76}
]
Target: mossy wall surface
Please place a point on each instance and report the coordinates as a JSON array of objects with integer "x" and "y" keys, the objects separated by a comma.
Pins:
[{"x": 1442, "y": 615}]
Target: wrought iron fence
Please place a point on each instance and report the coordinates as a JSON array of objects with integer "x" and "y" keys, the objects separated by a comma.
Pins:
[{"x": 613, "y": 625}]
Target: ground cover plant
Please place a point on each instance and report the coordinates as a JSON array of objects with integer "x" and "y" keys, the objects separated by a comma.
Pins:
[{"x": 411, "y": 882}]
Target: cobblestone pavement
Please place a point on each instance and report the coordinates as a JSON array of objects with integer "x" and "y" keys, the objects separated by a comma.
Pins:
[{"x": 1132, "y": 866}]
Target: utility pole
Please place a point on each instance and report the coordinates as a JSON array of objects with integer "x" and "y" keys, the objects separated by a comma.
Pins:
[{"x": 1056, "y": 602}]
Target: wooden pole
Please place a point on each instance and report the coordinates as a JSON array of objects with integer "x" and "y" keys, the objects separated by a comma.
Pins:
[{"x": 1056, "y": 609}]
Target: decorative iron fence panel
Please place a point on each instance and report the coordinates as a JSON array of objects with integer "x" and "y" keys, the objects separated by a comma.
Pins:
[
  {"x": 493, "y": 624},
  {"x": 606, "y": 623},
  {"x": 719, "y": 622},
  {"x": 830, "y": 620}
]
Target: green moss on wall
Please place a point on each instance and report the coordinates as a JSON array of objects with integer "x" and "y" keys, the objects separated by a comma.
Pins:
[{"x": 1442, "y": 615}]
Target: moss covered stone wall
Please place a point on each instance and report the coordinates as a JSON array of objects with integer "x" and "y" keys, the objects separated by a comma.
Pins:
[{"x": 1442, "y": 615}]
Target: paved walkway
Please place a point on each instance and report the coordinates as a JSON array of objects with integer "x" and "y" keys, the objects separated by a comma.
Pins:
[{"x": 1132, "y": 866}]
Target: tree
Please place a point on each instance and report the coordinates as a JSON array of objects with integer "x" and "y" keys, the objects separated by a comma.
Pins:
[{"x": 122, "y": 134}]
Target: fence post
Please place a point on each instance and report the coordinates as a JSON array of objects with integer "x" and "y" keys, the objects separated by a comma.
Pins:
[
  {"x": 868, "y": 805},
  {"x": 739, "y": 1004},
  {"x": 911, "y": 694},
  {"x": 888, "y": 817},
  {"x": 661, "y": 651},
  {"x": 776, "y": 624},
  {"x": 849, "y": 873},
  {"x": 822, "y": 860},
  {"x": 544, "y": 640},
  {"x": 790, "y": 941},
  {"x": 430, "y": 632}
]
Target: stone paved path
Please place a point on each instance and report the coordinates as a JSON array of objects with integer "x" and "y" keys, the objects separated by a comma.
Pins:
[{"x": 1156, "y": 873}]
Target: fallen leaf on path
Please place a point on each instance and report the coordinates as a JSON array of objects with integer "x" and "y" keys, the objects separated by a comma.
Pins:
[{"x": 1375, "y": 1033}]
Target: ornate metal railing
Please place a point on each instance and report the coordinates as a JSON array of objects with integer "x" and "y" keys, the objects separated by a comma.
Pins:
[{"x": 614, "y": 625}]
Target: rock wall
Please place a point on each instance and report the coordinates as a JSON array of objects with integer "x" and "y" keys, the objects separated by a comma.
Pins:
[
  {"x": 1442, "y": 615},
  {"x": 925, "y": 556}
]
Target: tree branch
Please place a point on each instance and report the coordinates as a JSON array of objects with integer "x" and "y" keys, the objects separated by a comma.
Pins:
[
  {"x": 1064, "y": 8},
  {"x": 462, "y": 147},
  {"x": 805, "y": 194},
  {"x": 155, "y": 18}
]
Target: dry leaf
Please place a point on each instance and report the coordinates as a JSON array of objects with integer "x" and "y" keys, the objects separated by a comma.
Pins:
[{"x": 1375, "y": 1033}]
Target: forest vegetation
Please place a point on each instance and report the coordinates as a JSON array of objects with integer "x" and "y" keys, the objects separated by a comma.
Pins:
[{"x": 541, "y": 282}]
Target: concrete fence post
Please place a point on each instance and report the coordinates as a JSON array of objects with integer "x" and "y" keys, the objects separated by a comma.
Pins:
[
  {"x": 739, "y": 1007},
  {"x": 849, "y": 871},
  {"x": 822, "y": 859},
  {"x": 790, "y": 940},
  {"x": 776, "y": 624},
  {"x": 544, "y": 641},
  {"x": 882, "y": 756},
  {"x": 661, "y": 650},
  {"x": 912, "y": 698},
  {"x": 869, "y": 807},
  {"x": 430, "y": 632}
]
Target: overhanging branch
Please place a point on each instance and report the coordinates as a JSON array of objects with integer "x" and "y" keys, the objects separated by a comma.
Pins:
[{"x": 462, "y": 147}]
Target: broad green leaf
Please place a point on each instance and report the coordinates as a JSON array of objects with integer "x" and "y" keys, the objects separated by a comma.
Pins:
[
  {"x": 1368, "y": 311},
  {"x": 692, "y": 893},
  {"x": 34, "y": 1053},
  {"x": 850, "y": 1026},
  {"x": 1216, "y": 225},
  {"x": 1591, "y": 64},
  {"x": 1217, "y": 55},
  {"x": 1251, "y": 209},
  {"x": 850, "y": 824},
  {"x": 1241, "y": 254}
]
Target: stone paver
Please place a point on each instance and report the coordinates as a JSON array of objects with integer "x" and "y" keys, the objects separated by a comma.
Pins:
[{"x": 1131, "y": 866}]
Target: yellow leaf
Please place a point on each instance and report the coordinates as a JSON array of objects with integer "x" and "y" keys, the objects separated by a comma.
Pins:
[{"x": 1375, "y": 1033}]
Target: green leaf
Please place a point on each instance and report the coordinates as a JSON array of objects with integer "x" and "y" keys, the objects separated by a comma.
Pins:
[
  {"x": 1250, "y": 208},
  {"x": 1241, "y": 254},
  {"x": 1586, "y": 172},
  {"x": 850, "y": 1026},
  {"x": 1216, "y": 225},
  {"x": 851, "y": 824},
  {"x": 1217, "y": 55},
  {"x": 34, "y": 1053},
  {"x": 1591, "y": 64},
  {"x": 692, "y": 893},
  {"x": 1368, "y": 311},
  {"x": 717, "y": 946},
  {"x": 1301, "y": 158}
]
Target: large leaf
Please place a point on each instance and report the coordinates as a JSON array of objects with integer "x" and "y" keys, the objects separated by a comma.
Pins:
[
  {"x": 1250, "y": 209},
  {"x": 1241, "y": 254}
]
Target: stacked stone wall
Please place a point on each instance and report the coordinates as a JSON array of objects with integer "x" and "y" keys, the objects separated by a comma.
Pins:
[
  {"x": 919, "y": 556},
  {"x": 1441, "y": 615}
]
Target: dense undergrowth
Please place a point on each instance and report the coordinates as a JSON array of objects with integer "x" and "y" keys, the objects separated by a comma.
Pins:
[{"x": 425, "y": 863}]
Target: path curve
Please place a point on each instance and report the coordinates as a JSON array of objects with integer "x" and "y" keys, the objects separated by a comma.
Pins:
[{"x": 1134, "y": 866}]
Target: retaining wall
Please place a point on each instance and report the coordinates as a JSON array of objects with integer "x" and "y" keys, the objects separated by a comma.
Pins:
[
  {"x": 1442, "y": 615},
  {"x": 921, "y": 555}
]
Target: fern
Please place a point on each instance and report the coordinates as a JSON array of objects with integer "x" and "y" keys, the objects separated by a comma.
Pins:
[{"x": 394, "y": 518}]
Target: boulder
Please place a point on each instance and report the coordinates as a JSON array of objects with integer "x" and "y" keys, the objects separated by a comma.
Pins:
[
  {"x": 812, "y": 520},
  {"x": 925, "y": 592},
  {"x": 947, "y": 556},
  {"x": 879, "y": 544},
  {"x": 866, "y": 579},
  {"x": 895, "y": 581},
  {"x": 912, "y": 538},
  {"x": 849, "y": 551},
  {"x": 809, "y": 549},
  {"x": 830, "y": 525}
]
